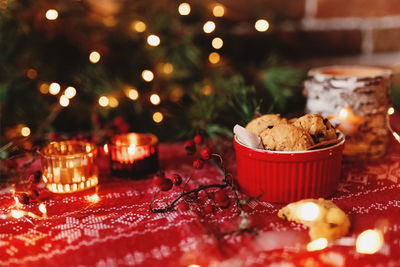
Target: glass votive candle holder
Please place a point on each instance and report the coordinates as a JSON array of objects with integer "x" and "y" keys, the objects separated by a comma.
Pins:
[
  {"x": 133, "y": 154},
  {"x": 69, "y": 166}
]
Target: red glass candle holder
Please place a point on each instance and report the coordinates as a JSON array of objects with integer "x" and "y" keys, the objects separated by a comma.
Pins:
[
  {"x": 69, "y": 166},
  {"x": 133, "y": 154}
]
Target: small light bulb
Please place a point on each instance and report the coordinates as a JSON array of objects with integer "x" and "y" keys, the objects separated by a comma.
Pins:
[
  {"x": 138, "y": 26},
  {"x": 214, "y": 58},
  {"x": 51, "y": 14},
  {"x": 217, "y": 43},
  {"x": 133, "y": 94},
  {"x": 103, "y": 101},
  {"x": 54, "y": 88},
  {"x": 261, "y": 25},
  {"x": 70, "y": 92},
  {"x": 64, "y": 101},
  {"x": 105, "y": 148},
  {"x": 94, "y": 57},
  {"x": 184, "y": 9},
  {"x": 42, "y": 208},
  {"x": 25, "y": 131},
  {"x": 209, "y": 26},
  {"x": 391, "y": 111},
  {"x": 158, "y": 117},
  {"x": 218, "y": 11},
  {"x": 369, "y": 242},
  {"x": 155, "y": 99},
  {"x": 153, "y": 40},
  {"x": 147, "y": 75}
]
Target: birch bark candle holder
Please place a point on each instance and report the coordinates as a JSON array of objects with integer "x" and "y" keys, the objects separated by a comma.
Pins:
[
  {"x": 356, "y": 99},
  {"x": 69, "y": 166},
  {"x": 133, "y": 154}
]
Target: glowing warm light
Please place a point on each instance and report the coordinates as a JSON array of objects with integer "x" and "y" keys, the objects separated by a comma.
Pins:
[
  {"x": 261, "y": 25},
  {"x": 309, "y": 211},
  {"x": 113, "y": 102},
  {"x": 155, "y": 99},
  {"x": 42, "y": 208},
  {"x": 153, "y": 40},
  {"x": 51, "y": 14},
  {"x": 70, "y": 92},
  {"x": 138, "y": 26},
  {"x": 369, "y": 242},
  {"x": 44, "y": 88},
  {"x": 110, "y": 21},
  {"x": 176, "y": 94},
  {"x": 147, "y": 75},
  {"x": 158, "y": 117},
  {"x": 17, "y": 214},
  {"x": 64, "y": 101},
  {"x": 54, "y": 88},
  {"x": 317, "y": 244},
  {"x": 344, "y": 113},
  {"x": 397, "y": 136},
  {"x": 132, "y": 149},
  {"x": 214, "y": 58},
  {"x": 94, "y": 57},
  {"x": 105, "y": 148},
  {"x": 103, "y": 101},
  {"x": 209, "y": 27},
  {"x": 25, "y": 131},
  {"x": 184, "y": 9},
  {"x": 207, "y": 90},
  {"x": 217, "y": 43},
  {"x": 94, "y": 198},
  {"x": 31, "y": 74},
  {"x": 218, "y": 11},
  {"x": 133, "y": 94},
  {"x": 194, "y": 265},
  {"x": 168, "y": 68},
  {"x": 390, "y": 111}
]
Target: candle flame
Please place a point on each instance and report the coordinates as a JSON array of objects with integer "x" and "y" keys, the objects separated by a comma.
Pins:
[
  {"x": 17, "y": 214},
  {"x": 344, "y": 113},
  {"x": 131, "y": 149},
  {"x": 369, "y": 242},
  {"x": 105, "y": 148},
  {"x": 317, "y": 244},
  {"x": 309, "y": 211},
  {"x": 43, "y": 209}
]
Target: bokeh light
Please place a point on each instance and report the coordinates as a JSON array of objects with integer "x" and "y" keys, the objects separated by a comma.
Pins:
[
  {"x": 308, "y": 211},
  {"x": 70, "y": 92},
  {"x": 113, "y": 102},
  {"x": 51, "y": 14},
  {"x": 209, "y": 26},
  {"x": 158, "y": 117},
  {"x": 132, "y": 94},
  {"x": 218, "y": 10},
  {"x": 168, "y": 68},
  {"x": 391, "y": 111},
  {"x": 261, "y": 25},
  {"x": 31, "y": 74},
  {"x": 64, "y": 101},
  {"x": 94, "y": 57},
  {"x": 103, "y": 101},
  {"x": 44, "y": 88},
  {"x": 369, "y": 242},
  {"x": 54, "y": 88},
  {"x": 317, "y": 244},
  {"x": 155, "y": 99},
  {"x": 153, "y": 40},
  {"x": 214, "y": 58},
  {"x": 217, "y": 43},
  {"x": 184, "y": 9},
  {"x": 25, "y": 131},
  {"x": 147, "y": 75},
  {"x": 138, "y": 26}
]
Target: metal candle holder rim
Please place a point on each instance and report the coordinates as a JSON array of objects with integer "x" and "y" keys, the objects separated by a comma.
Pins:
[
  {"x": 379, "y": 71},
  {"x": 44, "y": 154},
  {"x": 140, "y": 142}
]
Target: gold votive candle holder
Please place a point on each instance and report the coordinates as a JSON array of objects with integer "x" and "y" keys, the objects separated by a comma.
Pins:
[
  {"x": 133, "y": 154},
  {"x": 69, "y": 166}
]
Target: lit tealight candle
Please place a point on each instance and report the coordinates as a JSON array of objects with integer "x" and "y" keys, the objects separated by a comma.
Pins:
[{"x": 349, "y": 122}]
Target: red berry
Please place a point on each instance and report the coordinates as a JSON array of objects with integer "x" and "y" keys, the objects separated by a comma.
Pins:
[
  {"x": 209, "y": 208},
  {"x": 205, "y": 153},
  {"x": 225, "y": 204},
  {"x": 158, "y": 180},
  {"x": 23, "y": 198},
  {"x": 166, "y": 185},
  {"x": 198, "y": 139},
  {"x": 198, "y": 164},
  {"x": 220, "y": 196},
  {"x": 176, "y": 179},
  {"x": 183, "y": 206},
  {"x": 33, "y": 194},
  {"x": 190, "y": 147}
]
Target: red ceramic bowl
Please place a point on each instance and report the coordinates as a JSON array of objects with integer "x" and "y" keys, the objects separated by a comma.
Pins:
[{"x": 287, "y": 176}]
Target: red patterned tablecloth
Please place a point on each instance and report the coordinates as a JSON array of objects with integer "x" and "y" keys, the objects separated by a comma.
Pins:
[{"x": 119, "y": 230}]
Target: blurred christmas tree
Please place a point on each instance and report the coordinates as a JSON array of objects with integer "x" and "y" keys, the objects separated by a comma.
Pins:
[{"x": 163, "y": 67}]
